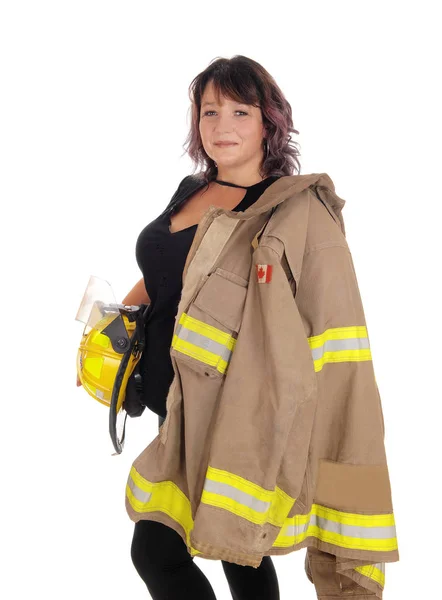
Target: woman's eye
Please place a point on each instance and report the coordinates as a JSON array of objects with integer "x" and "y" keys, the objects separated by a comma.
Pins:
[{"x": 211, "y": 111}]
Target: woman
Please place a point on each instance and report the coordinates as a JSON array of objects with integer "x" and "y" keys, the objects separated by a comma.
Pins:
[{"x": 240, "y": 133}]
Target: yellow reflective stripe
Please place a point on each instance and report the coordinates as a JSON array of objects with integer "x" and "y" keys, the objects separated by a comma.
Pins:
[
  {"x": 375, "y": 533},
  {"x": 93, "y": 365},
  {"x": 246, "y": 499},
  {"x": 100, "y": 339},
  {"x": 375, "y": 572},
  {"x": 209, "y": 331},
  {"x": 205, "y": 336},
  {"x": 205, "y": 356},
  {"x": 346, "y": 530},
  {"x": 340, "y": 344},
  {"x": 258, "y": 505},
  {"x": 163, "y": 496}
]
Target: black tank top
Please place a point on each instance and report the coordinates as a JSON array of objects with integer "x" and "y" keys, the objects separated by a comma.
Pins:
[{"x": 161, "y": 256}]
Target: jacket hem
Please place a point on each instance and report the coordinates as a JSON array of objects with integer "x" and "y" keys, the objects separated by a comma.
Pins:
[{"x": 195, "y": 548}]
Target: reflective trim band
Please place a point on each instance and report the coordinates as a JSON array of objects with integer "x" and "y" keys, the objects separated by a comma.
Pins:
[
  {"x": 164, "y": 496},
  {"x": 203, "y": 342},
  {"x": 375, "y": 572},
  {"x": 347, "y": 530},
  {"x": 93, "y": 365},
  {"x": 100, "y": 339},
  {"x": 340, "y": 344},
  {"x": 375, "y": 533},
  {"x": 137, "y": 493},
  {"x": 246, "y": 499}
]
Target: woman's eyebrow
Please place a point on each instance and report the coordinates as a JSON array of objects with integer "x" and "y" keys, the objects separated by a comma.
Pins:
[{"x": 214, "y": 103}]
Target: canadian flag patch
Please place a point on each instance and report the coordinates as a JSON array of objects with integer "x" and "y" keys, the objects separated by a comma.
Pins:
[{"x": 264, "y": 273}]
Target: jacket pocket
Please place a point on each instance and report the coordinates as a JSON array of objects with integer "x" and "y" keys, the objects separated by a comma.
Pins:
[{"x": 206, "y": 334}]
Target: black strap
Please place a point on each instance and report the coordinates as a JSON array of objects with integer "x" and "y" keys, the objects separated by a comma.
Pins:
[{"x": 245, "y": 187}]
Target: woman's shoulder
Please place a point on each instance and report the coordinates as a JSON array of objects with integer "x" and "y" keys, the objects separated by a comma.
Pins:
[{"x": 187, "y": 186}]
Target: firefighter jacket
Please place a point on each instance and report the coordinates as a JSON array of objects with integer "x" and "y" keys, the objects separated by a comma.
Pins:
[{"x": 274, "y": 435}]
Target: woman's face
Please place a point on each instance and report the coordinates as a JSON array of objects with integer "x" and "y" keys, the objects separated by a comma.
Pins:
[{"x": 234, "y": 122}]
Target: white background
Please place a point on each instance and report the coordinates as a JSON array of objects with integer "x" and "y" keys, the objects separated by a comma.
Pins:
[{"x": 94, "y": 114}]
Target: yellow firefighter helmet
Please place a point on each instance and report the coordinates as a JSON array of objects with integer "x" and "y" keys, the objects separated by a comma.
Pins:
[{"x": 111, "y": 346}]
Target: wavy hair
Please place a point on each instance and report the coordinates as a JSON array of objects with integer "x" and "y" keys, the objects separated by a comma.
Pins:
[{"x": 244, "y": 80}]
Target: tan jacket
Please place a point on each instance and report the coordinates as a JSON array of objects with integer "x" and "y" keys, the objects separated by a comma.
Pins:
[{"x": 274, "y": 436}]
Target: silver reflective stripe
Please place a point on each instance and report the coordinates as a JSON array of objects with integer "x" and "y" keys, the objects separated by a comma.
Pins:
[
  {"x": 201, "y": 341},
  {"x": 370, "y": 572},
  {"x": 346, "y": 344},
  {"x": 353, "y": 531},
  {"x": 138, "y": 492},
  {"x": 224, "y": 489},
  {"x": 381, "y": 567}
]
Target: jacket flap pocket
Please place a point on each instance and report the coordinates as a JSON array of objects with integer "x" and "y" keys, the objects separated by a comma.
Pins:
[{"x": 223, "y": 297}]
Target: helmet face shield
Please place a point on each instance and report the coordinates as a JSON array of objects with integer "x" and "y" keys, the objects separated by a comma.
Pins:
[{"x": 98, "y": 304}]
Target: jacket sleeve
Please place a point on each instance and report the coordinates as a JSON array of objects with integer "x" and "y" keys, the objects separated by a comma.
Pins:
[{"x": 348, "y": 508}]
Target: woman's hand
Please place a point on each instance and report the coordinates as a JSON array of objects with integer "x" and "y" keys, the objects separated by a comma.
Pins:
[{"x": 78, "y": 381}]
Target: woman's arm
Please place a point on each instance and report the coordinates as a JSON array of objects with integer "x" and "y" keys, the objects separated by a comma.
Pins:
[{"x": 137, "y": 295}]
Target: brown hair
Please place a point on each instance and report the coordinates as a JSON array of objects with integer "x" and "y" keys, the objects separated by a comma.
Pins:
[{"x": 244, "y": 80}]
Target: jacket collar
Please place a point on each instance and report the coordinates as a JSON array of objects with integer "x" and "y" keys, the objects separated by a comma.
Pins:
[{"x": 279, "y": 191}]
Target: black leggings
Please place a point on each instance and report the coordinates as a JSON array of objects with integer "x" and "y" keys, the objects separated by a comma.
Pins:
[{"x": 163, "y": 562}]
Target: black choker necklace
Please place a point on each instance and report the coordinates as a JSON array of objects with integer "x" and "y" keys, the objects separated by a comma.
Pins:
[{"x": 245, "y": 187}]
